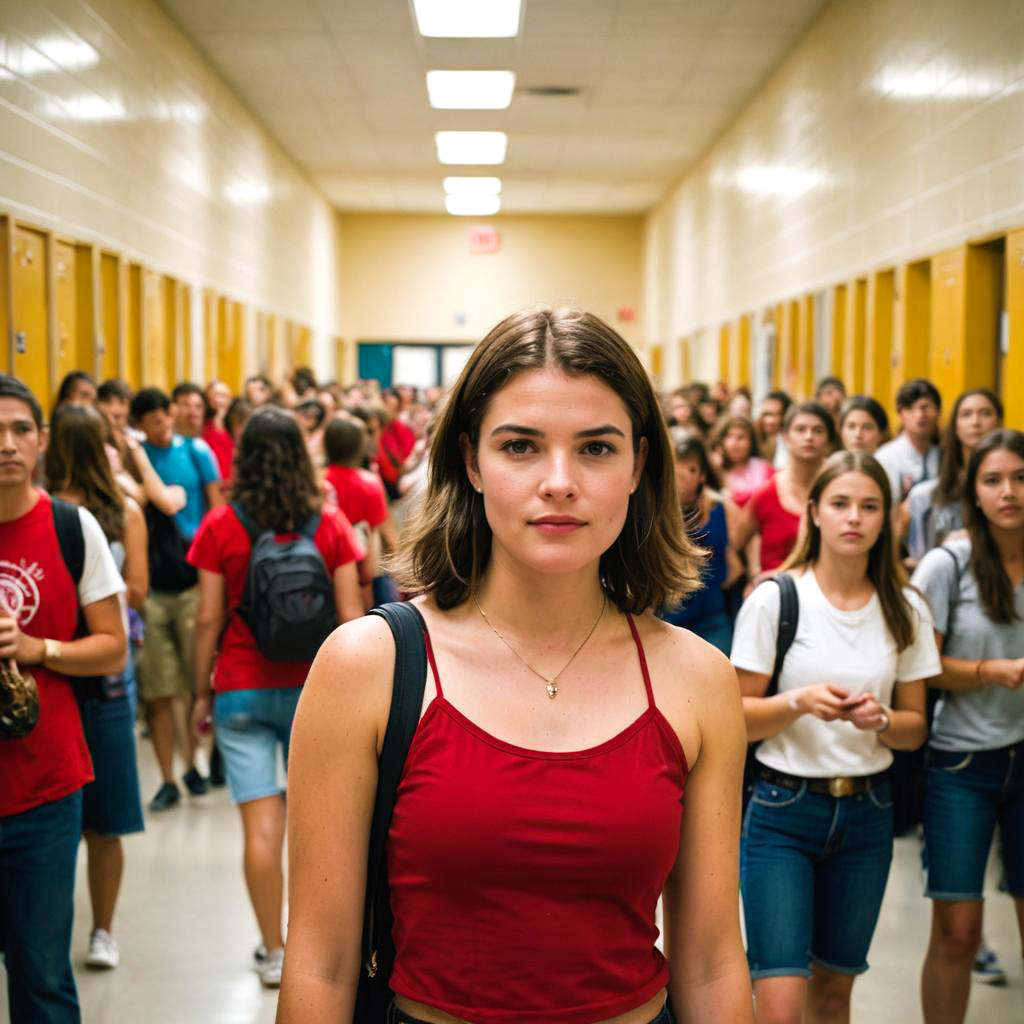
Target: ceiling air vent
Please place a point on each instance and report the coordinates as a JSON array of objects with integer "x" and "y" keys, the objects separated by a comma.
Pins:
[{"x": 552, "y": 90}]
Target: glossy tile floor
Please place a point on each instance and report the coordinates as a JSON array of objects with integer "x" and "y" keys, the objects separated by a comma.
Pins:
[{"x": 187, "y": 933}]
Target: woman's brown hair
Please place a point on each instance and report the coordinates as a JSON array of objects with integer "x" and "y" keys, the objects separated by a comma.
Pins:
[
  {"x": 77, "y": 461},
  {"x": 723, "y": 427},
  {"x": 445, "y": 550},
  {"x": 952, "y": 463},
  {"x": 884, "y": 569},
  {"x": 274, "y": 479},
  {"x": 995, "y": 588}
]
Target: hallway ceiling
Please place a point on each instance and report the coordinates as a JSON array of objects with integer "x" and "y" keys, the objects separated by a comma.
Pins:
[{"x": 341, "y": 85}]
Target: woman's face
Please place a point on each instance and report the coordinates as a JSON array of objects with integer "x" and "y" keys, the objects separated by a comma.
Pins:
[
  {"x": 739, "y": 405},
  {"x": 807, "y": 437},
  {"x": 689, "y": 477},
  {"x": 736, "y": 446},
  {"x": 218, "y": 394},
  {"x": 860, "y": 433},
  {"x": 999, "y": 489},
  {"x": 974, "y": 419},
  {"x": 556, "y": 467},
  {"x": 83, "y": 392},
  {"x": 771, "y": 417},
  {"x": 850, "y": 514},
  {"x": 680, "y": 410}
]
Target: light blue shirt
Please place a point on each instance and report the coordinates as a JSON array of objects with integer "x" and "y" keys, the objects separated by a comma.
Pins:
[{"x": 189, "y": 463}]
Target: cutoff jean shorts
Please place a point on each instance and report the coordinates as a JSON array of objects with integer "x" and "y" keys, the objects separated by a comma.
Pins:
[
  {"x": 966, "y": 795},
  {"x": 396, "y": 1016},
  {"x": 813, "y": 873},
  {"x": 250, "y": 725}
]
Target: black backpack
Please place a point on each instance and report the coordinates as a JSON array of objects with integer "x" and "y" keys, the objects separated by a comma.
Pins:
[
  {"x": 288, "y": 603},
  {"x": 789, "y": 617}
]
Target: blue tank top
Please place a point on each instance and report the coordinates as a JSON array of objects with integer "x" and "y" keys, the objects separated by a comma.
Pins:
[{"x": 713, "y": 536}]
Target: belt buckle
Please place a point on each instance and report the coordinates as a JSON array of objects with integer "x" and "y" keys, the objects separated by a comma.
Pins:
[{"x": 842, "y": 786}]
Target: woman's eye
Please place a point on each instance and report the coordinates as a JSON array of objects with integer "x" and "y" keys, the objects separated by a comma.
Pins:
[
  {"x": 598, "y": 448},
  {"x": 518, "y": 447}
]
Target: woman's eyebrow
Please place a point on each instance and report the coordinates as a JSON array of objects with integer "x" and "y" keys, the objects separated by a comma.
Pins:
[{"x": 515, "y": 428}]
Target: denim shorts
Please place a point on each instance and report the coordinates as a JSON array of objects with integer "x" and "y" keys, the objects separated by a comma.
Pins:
[
  {"x": 396, "y": 1016},
  {"x": 111, "y": 803},
  {"x": 250, "y": 724},
  {"x": 814, "y": 869},
  {"x": 966, "y": 796}
]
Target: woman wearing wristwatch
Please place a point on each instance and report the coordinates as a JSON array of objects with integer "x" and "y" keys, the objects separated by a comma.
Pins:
[{"x": 818, "y": 832}]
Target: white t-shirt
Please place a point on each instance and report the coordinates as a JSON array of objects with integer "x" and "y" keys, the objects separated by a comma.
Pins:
[
  {"x": 905, "y": 466},
  {"x": 851, "y": 649},
  {"x": 100, "y": 577}
]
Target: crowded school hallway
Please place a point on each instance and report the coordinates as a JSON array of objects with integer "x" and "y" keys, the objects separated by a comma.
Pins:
[{"x": 445, "y": 447}]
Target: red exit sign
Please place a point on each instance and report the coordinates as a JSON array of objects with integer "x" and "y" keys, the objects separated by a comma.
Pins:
[{"x": 482, "y": 238}]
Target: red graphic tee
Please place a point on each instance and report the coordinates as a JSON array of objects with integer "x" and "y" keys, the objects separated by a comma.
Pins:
[
  {"x": 223, "y": 546},
  {"x": 361, "y": 495},
  {"x": 52, "y": 761}
]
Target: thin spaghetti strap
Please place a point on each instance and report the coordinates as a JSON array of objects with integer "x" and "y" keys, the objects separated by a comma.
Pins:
[
  {"x": 433, "y": 664},
  {"x": 641, "y": 656}
]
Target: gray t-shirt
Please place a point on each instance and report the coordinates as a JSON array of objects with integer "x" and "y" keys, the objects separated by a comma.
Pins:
[
  {"x": 992, "y": 716},
  {"x": 905, "y": 465},
  {"x": 929, "y": 523}
]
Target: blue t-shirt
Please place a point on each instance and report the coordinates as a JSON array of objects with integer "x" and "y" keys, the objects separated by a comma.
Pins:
[{"x": 189, "y": 463}]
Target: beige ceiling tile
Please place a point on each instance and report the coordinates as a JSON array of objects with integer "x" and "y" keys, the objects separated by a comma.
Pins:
[
  {"x": 571, "y": 18},
  {"x": 359, "y": 16},
  {"x": 256, "y": 15}
]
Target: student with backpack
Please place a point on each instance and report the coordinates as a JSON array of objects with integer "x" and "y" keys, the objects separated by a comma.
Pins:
[
  {"x": 44, "y": 760},
  {"x": 818, "y": 830},
  {"x": 277, "y": 573}
]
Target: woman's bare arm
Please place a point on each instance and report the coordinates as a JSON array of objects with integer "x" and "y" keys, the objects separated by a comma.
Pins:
[
  {"x": 332, "y": 783},
  {"x": 136, "y": 558},
  {"x": 710, "y": 979},
  {"x": 733, "y": 562}
]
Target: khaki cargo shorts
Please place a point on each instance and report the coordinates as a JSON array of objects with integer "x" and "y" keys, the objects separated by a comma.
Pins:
[{"x": 166, "y": 667}]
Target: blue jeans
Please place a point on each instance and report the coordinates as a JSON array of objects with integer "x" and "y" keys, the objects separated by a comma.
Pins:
[
  {"x": 111, "y": 803},
  {"x": 250, "y": 725},
  {"x": 396, "y": 1016},
  {"x": 966, "y": 796},
  {"x": 38, "y": 849},
  {"x": 813, "y": 873}
]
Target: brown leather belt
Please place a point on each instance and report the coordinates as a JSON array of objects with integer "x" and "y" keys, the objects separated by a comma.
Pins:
[{"x": 843, "y": 785}]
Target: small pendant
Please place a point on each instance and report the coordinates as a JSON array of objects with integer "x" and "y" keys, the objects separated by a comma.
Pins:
[{"x": 552, "y": 689}]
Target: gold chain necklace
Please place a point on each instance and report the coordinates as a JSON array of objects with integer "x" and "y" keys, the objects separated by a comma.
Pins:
[{"x": 552, "y": 683}]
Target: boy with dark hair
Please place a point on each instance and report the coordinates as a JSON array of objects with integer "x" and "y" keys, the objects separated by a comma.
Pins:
[
  {"x": 55, "y": 566},
  {"x": 913, "y": 455},
  {"x": 188, "y": 409},
  {"x": 831, "y": 393},
  {"x": 165, "y": 668}
]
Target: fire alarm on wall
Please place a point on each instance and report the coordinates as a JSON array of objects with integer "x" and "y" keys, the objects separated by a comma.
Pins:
[
  {"x": 627, "y": 315},
  {"x": 482, "y": 238}
]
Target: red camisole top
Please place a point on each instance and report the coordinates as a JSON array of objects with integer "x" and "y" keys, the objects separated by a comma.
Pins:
[{"x": 524, "y": 882}]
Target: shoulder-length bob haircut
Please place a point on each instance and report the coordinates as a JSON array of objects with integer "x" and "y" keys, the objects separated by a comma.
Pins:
[
  {"x": 995, "y": 588},
  {"x": 884, "y": 569},
  {"x": 445, "y": 550},
  {"x": 723, "y": 426},
  {"x": 274, "y": 478},
  {"x": 812, "y": 408}
]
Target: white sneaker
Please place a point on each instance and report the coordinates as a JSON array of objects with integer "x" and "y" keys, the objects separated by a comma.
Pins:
[
  {"x": 103, "y": 951},
  {"x": 270, "y": 969}
]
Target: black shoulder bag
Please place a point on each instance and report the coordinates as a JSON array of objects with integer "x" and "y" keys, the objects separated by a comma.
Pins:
[
  {"x": 789, "y": 618},
  {"x": 378, "y": 949}
]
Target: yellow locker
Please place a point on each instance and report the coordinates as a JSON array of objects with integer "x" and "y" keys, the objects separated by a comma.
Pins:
[
  {"x": 274, "y": 351},
  {"x": 805, "y": 347},
  {"x": 686, "y": 360},
  {"x": 779, "y": 352},
  {"x": 30, "y": 300},
  {"x": 302, "y": 347},
  {"x": 231, "y": 350},
  {"x": 911, "y": 326},
  {"x": 743, "y": 374},
  {"x": 657, "y": 364},
  {"x": 724, "y": 357},
  {"x": 87, "y": 292},
  {"x": 1013, "y": 361},
  {"x": 131, "y": 324},
  {"x": 966, "y": 304},
  {"x": 108, "y": 349},
  {"x": 881, "y": 288},
  {"x": 791, "y": 347},
  {"x": 6, "y": 239},
  {"x": 64, "y": 322},
  {"x": 341, "y": 349},
  {"x": 152, "y": 331},
  {"x": 173, "y": 363},
  {"x": 211, "y": 319},
  {"x": 185, "y": 330},
  {"x": 856, "y": 337},
  {"x": 838, "y": 330}
]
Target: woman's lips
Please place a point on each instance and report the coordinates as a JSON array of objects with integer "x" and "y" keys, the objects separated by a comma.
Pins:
[{"x": 556, "y": 525}]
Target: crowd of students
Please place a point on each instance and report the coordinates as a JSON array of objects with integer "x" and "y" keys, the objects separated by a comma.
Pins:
[{"x": 145, "y": 544}]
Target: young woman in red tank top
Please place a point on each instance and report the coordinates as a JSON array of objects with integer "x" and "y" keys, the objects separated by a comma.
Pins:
[{"x": 540, "y": 815}]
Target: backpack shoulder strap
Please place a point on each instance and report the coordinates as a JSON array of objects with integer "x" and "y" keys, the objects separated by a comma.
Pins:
[
  {"x": 311, "y": 525},
  {"x": 789, "y": 618},
  {"x": 70, "y": 537},
  {"x": 408, "y": 628},
  {"x": 251, "y": 526}
]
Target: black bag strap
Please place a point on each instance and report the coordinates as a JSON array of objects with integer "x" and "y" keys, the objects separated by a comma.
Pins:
[
  {"x": 954, "y": 597},
  {"x": 789, "y": 618},
  {"x": 408, "y": 628},
  {"x": 251, "y": 526},
  {"x": 70, "y": 537},
  {"x": 311, "y": 525}
]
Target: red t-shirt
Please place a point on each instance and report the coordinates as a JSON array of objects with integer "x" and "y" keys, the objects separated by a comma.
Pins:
[
  {"x": 223, "y": 446},
  {"x": 361, "y": 495},
  {"x": 223, "y": 546},
  {"x": 397, "y": 441},
  {"x": 52, "y": 761},
  {"x": 778, "y": 526}
]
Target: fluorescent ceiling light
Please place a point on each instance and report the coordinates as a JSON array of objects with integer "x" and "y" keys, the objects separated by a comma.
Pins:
[
  {"x": 246, "y": 193},
  {"x": 472, "y": 206},
  {"x": 52, "y": 54},
  {"x": 778, "y": 181},
  {"x": 476, "y": 186},
  {"x": 87, "y": 108},
  {"x": 470, "y": 90},
  {"x": 471, "y": 147},
  {"x": 938, "y": 81},
  {"x": 467, "y": 19}
]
